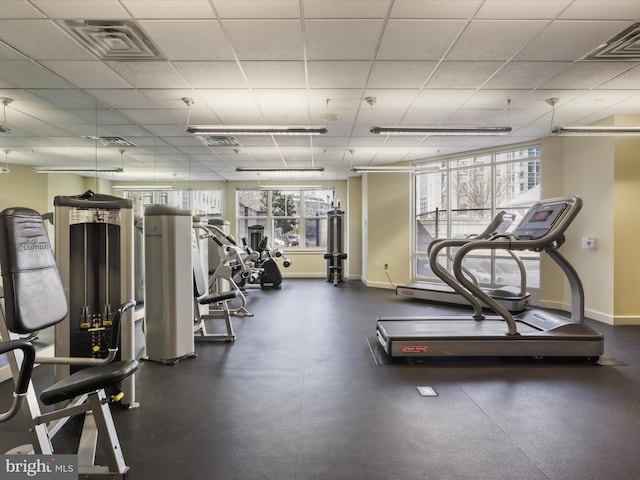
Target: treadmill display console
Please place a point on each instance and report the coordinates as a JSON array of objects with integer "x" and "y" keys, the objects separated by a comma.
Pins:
[{"x": 539, "y": 221}]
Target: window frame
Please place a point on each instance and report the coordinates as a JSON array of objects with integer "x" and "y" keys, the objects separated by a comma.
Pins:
[
  {"x": 302, "y": 216},
  {"x": 449, "y": 169}
]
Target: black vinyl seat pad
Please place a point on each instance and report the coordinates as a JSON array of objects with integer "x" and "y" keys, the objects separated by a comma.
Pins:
[{"x": 88, "y": 380}]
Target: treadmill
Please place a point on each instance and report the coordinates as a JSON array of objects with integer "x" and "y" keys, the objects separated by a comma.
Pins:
[
  {"x": 513, "y": 298},
  {"x": 535, "y": 332}
]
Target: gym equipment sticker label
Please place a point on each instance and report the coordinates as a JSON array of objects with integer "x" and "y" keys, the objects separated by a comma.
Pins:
[
  {"x": 415, "y": 348},
  {"x": 50, "y": 467}
]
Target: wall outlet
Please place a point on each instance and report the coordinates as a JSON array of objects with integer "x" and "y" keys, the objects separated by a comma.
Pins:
[
  {"x": 386, "y": 266},
  {"x": 590, "y": 243}
]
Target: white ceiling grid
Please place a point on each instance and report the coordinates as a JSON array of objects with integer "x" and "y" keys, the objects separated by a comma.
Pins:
[{"x": 259, "y": 62}]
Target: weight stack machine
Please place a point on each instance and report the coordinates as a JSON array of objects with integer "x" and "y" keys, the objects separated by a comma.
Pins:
[
  {"x": 334, "y": 255},
  {"x": 95, "y": 257},
  {"x": 168, "y": 289}
]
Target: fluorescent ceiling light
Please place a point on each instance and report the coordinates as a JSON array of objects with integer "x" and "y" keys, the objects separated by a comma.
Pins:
[
  {"x": 255, "y": 130},
  {"x": 280, "y": 169},
  {"x": 144, "y": 188},
  {"x": 595, "y": 130},
  {"x": 424, "y": 130},
  {"x": 389, "y": 169},
  {"x": 76, "y": 170}
]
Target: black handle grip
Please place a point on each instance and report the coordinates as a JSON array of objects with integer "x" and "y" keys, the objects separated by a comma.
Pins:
[
  {"x": 115, "y": 329},
  {"x": 24, "y": 377}
]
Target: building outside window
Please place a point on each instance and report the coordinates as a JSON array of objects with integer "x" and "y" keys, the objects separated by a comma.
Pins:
[
  {"x": 457, "y": 198},
  {"x": 295, "y": 218},
  {"x": 206, "y": 203}
]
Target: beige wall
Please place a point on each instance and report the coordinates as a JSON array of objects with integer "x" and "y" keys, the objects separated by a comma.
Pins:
[
  {"x": 353, "y": 228},
  {"x": 605, "y": 173},
  {"x": 23, "y": 188},
  {"x": 387, "y": 232},
  {"x": 626, "y": 260}
]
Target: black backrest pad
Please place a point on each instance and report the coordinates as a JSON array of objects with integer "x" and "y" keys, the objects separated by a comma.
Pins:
[{"x": 33, "y": 293}]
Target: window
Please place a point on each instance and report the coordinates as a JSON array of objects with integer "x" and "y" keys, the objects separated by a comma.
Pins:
[
  {"x": 458, "y": 197},
  {"x": 205, "y": 203},
  {"x": 290, "y": 219}
]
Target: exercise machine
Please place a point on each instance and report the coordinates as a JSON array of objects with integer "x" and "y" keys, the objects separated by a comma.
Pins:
[
  {"x": 334, "y": 256},
  {"x": 535, "y": 332},
  {"x": 94, "y": 241},
  {"x": 34, "y": 300},
  {"x": 211, "y": 301},
  {"x": 263, "y": 257},
  {"x": 513, "y": 298},
  {"x": 230, "y": 266},
  {"x": 168, "y": 290}
]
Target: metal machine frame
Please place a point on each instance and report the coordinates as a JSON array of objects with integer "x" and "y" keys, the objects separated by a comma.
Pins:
[
  {"x": 536, "y": 332},
  {"x": 514, "y": 299}
]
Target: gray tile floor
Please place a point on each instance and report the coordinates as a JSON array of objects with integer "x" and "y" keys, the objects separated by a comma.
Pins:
[{"x": 299, "y": 396}]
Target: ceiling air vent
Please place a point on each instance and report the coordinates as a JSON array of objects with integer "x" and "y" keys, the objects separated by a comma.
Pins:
[
  {"x": 112, "y": 39},
  {"x": 111, "y": 141},
  {"x": 218, "y": 141},
  {"x": 624, "y": 46}
]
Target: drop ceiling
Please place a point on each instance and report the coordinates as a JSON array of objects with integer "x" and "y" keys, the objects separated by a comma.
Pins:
[{"x": 301, "y": 62}]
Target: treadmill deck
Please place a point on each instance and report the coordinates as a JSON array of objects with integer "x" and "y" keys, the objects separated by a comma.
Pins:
[{"x": 461, "y": 336}]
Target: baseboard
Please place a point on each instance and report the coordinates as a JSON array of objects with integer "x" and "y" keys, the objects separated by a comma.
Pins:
[
  {"x": 626, "y": 320},
  {"x": 595, "y": 315},
  {"x": 386, "y": 285},
  {"x": 303, "y": 275}
]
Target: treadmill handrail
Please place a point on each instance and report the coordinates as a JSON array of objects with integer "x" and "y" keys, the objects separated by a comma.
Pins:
[
  {"x": 449, "y": 279},
  {"x": 500, "y": 223},
  {"x": 548, "y": 242}
]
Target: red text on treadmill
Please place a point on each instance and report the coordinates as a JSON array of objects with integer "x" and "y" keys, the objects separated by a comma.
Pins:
[
  {"x": 408, "y": 293},
  {"x": 415, "y": 349}
]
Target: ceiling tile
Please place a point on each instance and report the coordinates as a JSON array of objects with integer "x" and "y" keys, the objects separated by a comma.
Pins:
[
  {"x": 434, "y": 98},
  {"x": 463, "y": 75},
  {"x": 441, "y": 9},
  {"x": 66, "y": 98},
  {"x": 92, "y": 74},
  {"x": 265, "y": 40},
  {"x": 119, "y": 98},
  {"x": 522, "y": 9},
  {"x": 19, "y": 9},
  {"x": 73, "y": 9},
  {"x": 46, "y": 41},
  {"x": 257, "y": 8},
  {"x": 494, "y": 39},
  {"x": 27, "y": 74},
  {"x": 188, "y": 39},
  {"x": 149, "y": 74},
  {"x": 570, "y": 40},
  {"x": 629, "y": 79},
  {"x": 418, "y": 39},
  {"x": 199, "y": 9},
  {"x": 526, "y": 75},
  {"x": 611, "y": 9},
  {"x": 275, "y": 74},
  {"x": 588, "y": 75},
  {"x": 211, "y": 74},
  {"x": 400, "y": 74},
  {"x": 349, "y": 39},
  {"x": 345, "y": 8},
  {"x": 338, "y": 74}
]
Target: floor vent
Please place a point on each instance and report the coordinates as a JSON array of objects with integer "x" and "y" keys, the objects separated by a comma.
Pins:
[
  {"x": 112, "y": 39},
  {"x": 623, "y": 47}
]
